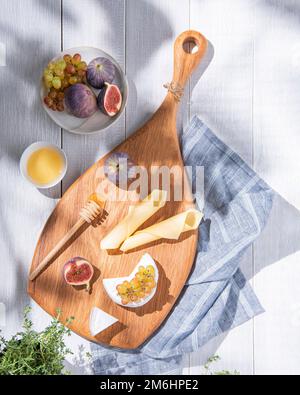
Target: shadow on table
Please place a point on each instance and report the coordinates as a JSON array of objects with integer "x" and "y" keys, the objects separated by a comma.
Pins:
[
  {"x": 80, "y": 363},
  {"x": 143, "y": 52},
  {"x": 281, "y": 236},
  {"x": 184, "y": 115},
  {"x": 287, "y": 7},
  {"x": 270, "y": 247}
]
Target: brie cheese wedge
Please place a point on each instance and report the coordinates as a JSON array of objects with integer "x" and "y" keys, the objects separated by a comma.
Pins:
[
  {"x": 100, "y": 320},
  {"x": 110, "y": 284}
]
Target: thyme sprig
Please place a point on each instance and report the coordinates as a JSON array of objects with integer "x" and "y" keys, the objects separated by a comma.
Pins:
[
  {"x": 35, "y": 353},
  {"x": 210, "y": 372}
]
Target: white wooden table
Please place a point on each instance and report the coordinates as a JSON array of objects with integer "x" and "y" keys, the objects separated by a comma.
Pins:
[{"x": 249, "y": 96}]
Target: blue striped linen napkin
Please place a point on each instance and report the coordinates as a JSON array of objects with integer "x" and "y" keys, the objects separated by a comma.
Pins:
[{"x": 217, "y": 296}]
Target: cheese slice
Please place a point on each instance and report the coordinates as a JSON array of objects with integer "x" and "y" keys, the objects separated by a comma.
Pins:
[
  {"x": 100, "y": 320},
  {"x": 136, "y": 216},
  {"x": 170, "y": 228}
]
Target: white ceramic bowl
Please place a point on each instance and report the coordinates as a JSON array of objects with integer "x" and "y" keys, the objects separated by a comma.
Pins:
[
  {"x": 29, "y": 151},
  {"x": 98, "y": 121}
]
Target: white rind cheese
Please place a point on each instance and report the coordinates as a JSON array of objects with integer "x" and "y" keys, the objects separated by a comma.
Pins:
[
  {"x": 110, "y": 284},
  {"x": 100, "y": 320}
]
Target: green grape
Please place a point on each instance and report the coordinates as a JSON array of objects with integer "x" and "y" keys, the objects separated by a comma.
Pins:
[
  {"x": 148, "y": 276},
  {"x": 81, "y": 73},
  {"x": 82, "y": 66},
  {"x": 51, "y": 66},
  {"x": 135, "y": 283},
  {"x": 121, "y": 289},
  {"x": 132, "y": 284},
  {"x": 76, "y": 59},
  {"x": 56, "y": 82},
  {"x": 73, "y": 80},
  {"x": 133, "y": 298},
  {"x": 48, "y": 77},
  {"x": 61, "y": 64},
  {"x": 151, "y": 283},
  {"x": 124, "y": 301},
  {"x": 64, "y": 83},
  {"x": 47, "y": 71},
  {"x": 139, "y": 276},
  {"x": 48, "y": 84},
  {"x": 67, "y": 58},
  {"x": 150, "y": 269},
  {"x": 59, "y": 72},
  {"x": 138, "y": 287},
  {"x": 147, "y": 290}
]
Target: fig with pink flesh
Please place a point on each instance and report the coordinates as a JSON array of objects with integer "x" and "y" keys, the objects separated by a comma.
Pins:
[
  {"x": 78, "y": 271},
  {"x": 110, "y": 99}
]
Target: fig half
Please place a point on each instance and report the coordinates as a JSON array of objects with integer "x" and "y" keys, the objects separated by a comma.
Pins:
[
  {"x": 110, "y": 99},
  {"x": 78, "y": 271}
]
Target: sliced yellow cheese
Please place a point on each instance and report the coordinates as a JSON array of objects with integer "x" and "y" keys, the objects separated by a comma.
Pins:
[
  {"x": 170, "y": 228},
  {"x": 136, "y": 216}
]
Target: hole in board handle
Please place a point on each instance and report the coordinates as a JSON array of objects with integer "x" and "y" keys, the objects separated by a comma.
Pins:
[{"x": 190, "y": 45}]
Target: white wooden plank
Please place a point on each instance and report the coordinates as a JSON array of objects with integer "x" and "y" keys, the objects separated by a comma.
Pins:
[
  {"x": 151, "y": 28},
  {"x": 276, "y": 139},
  {"x": 223, "y": 96},
  {"x": 277, "y": 285},
  {"x": 277, "y": 99},
  {"x": 23, "y": 208},
  {"x": 277, "y": 331},
  {"x": 99, "y": 24},
  {"x": 229, "y": 349},
  {"x": 223, "y": 99}
]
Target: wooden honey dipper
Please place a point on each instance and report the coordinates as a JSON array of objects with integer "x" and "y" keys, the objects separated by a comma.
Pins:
[{"x": 90, "y": 214}]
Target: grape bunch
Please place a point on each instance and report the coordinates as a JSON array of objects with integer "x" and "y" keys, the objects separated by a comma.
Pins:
[
  {"x": 59, "y": 75},
  {"x": 139, "y": 287},
  {"x": 55, "y": 100}
]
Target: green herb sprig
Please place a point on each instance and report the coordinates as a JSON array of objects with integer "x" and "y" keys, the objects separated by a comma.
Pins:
[
  {"x": 35, "y": 353},
  {"x": 210, "y": 372}
]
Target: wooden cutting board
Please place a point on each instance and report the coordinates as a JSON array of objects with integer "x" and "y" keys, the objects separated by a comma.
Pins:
[{"x": 155, "y": 143}]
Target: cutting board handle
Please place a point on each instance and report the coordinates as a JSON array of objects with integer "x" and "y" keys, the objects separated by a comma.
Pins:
[{"x": 185, "y": 62}]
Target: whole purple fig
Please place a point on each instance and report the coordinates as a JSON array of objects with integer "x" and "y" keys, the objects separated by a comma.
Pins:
[
  {"x": 80, "y": 101},
  {"x": 99, "y": 71}
]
